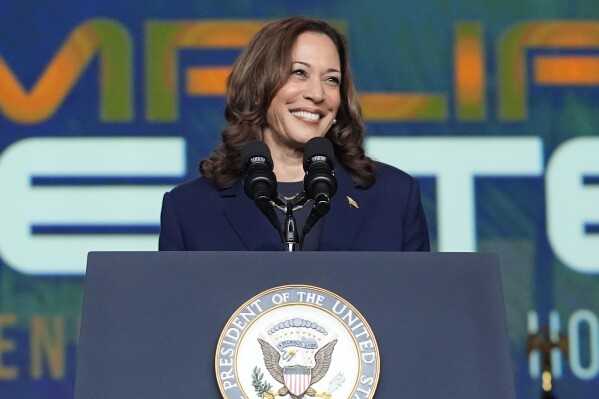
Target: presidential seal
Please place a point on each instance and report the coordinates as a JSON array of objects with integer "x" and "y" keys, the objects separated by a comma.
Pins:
[{"x": 297, "y": 342}]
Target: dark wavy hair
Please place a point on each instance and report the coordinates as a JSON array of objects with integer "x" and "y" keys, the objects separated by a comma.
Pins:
[{"x": 258, "y": 74}]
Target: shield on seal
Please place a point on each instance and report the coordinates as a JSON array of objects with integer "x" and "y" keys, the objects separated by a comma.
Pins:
[{"x": 297, "y": 379}]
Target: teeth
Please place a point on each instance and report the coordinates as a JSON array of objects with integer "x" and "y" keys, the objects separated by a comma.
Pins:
[{"x": 306, "y": 115}]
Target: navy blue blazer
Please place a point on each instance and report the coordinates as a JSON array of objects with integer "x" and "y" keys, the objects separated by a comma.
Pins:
[{"x": 198, "y": 216}]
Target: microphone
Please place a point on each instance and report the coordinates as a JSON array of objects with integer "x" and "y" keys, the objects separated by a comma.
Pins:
[
  {"x": 259, "y": 181},
  {"x": 320, "y": 183}
]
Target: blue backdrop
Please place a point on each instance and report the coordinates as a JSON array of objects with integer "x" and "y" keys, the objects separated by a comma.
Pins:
[{"x": 104, "y": 105}]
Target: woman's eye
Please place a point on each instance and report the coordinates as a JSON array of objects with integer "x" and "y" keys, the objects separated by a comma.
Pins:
[
  {"x": 333, "y": 80},
  {"x": 299, "y": 72}
]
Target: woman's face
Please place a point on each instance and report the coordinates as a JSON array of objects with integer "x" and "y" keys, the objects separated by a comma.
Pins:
[{"x": 307, "y": 104}]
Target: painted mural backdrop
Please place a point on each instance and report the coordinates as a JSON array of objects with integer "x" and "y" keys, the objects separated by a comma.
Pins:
[{"x": 105, "y": 105}]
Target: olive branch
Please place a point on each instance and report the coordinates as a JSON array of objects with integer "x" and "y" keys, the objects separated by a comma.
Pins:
[{"x": 261, "y": 387}]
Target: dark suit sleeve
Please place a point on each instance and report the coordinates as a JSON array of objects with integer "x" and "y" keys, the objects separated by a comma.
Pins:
[
  {"x": 415, "y": 227},
  {"x": 171, "y": 238}
]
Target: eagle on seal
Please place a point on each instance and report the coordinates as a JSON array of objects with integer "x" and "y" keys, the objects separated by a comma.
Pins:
[{"x": 322, "y": 359}]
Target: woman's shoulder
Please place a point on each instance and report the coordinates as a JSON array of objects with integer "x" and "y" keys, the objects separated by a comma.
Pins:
[
  {"x": 199, "y": 198},
  {"x": 388, "y": 174},
  {"x": 198, "y": 187}
]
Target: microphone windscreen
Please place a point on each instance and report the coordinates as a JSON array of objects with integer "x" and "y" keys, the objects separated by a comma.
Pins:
[
  {"x": 318, "y": 147},
  {"x": 255, "y": 148}
]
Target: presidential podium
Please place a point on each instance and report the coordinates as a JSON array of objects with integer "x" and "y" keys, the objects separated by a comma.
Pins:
[{"x": 151, "y": 321}]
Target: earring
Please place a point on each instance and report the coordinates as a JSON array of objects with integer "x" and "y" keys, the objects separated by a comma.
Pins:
[{"x": 334, "y": 121}]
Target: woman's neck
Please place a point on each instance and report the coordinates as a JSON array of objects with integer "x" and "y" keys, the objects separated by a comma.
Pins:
[
  {"x": 288, "y": 161},
  {"x": 288, "y": 168}
]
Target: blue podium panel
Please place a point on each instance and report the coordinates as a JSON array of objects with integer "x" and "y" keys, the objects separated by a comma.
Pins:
[{"x": 152, "y": 320}]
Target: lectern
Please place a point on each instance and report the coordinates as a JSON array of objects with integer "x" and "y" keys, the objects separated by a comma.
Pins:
[{"x": 152, "y": 321}]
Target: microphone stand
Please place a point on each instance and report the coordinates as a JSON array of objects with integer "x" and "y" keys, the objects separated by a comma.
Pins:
[
  {"x": 291, "y": 235},
  {"x": 290, "y": 232},
  {"x": 292, "y": 240}
]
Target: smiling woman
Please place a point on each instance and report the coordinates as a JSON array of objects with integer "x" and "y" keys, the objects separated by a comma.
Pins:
[
  {"x": 305, "y": 106},
  {"x": 298, "y": 55},
  {"x": 291, "y": 84}
]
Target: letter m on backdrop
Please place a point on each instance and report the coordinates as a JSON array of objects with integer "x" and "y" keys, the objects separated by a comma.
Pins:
[{"x": 105, "y": 38}]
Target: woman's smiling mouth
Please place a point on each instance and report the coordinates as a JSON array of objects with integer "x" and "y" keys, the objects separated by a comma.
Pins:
[{"x": 311, "y": 116}]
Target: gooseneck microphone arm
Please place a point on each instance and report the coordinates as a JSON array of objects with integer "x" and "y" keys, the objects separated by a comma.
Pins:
[
  {"x": 259, "y": 181},
  {"x": 320, "y": 183}
]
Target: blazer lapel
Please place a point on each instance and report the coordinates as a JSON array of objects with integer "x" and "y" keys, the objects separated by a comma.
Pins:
[
  {"x": 344, "y": 221},
  {"x": 252, "y": 227}
]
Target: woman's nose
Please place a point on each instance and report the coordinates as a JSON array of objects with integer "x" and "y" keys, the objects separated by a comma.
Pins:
[{"x": 314, "y": 91}]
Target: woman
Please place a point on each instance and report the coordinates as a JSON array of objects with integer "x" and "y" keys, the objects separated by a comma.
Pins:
[{"x": 293, "y": 83}]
